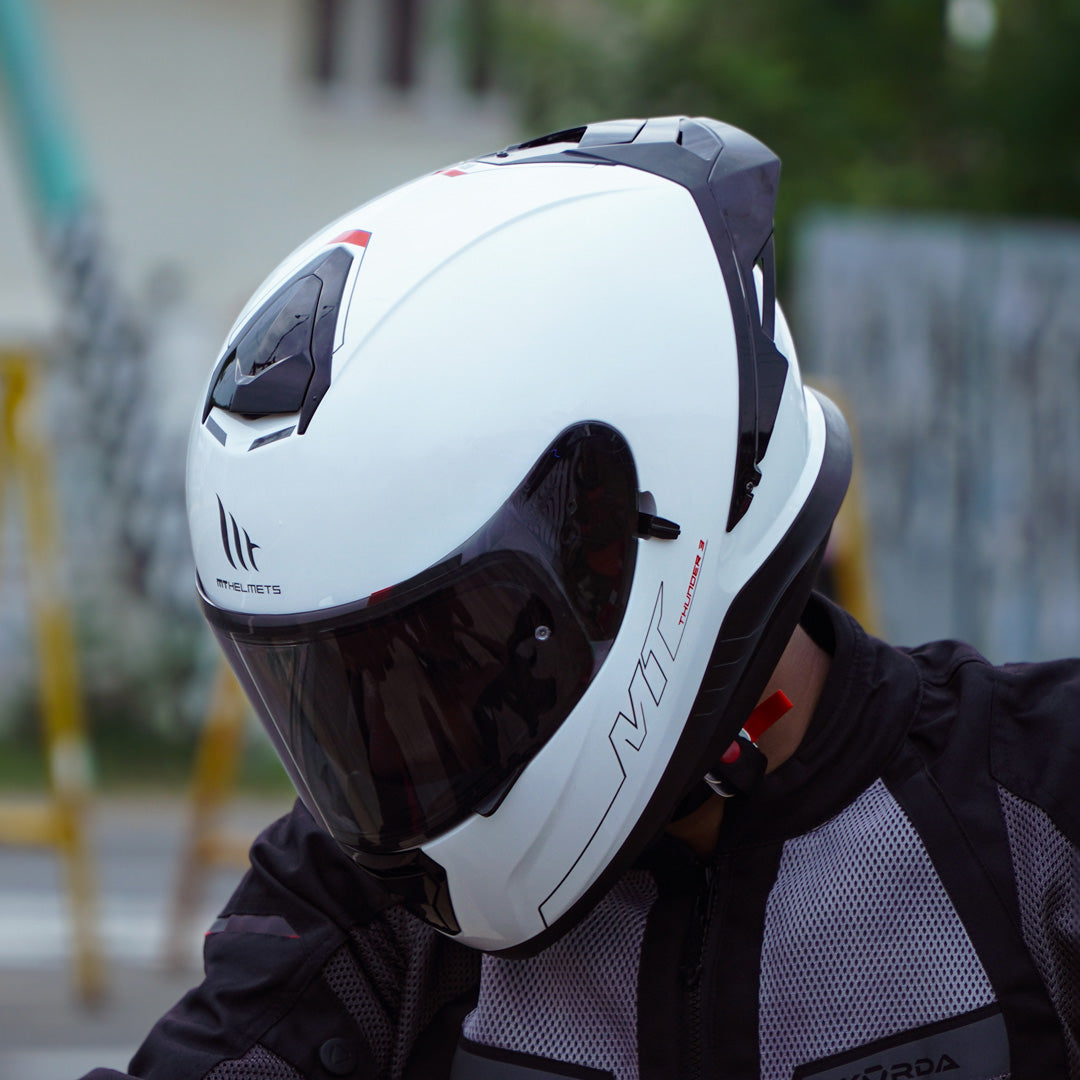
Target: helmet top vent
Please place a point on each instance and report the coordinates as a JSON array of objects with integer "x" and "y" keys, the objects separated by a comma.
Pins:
[
  {"x": 280, "y": 361},
  {"x": 572, "y": 135}
]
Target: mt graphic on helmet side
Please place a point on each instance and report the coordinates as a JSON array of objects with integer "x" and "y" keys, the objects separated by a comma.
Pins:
[{"x": 505, "y": 495}]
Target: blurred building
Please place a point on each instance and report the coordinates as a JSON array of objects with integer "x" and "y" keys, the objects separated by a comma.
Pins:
[{"x": 220, "y": 133}]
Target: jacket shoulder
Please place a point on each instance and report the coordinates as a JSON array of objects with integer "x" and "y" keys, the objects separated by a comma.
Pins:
[
  {"x": 306, "y": 947},
  {"x": 1019, "y": 722},
  {"x": 1035, "y": 744}
]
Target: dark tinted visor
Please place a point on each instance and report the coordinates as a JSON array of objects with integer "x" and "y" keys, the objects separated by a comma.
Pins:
[{"x": 402, "y": 714}]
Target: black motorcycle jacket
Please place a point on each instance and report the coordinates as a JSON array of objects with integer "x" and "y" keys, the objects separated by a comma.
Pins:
[{"x": 899, "y": 899}]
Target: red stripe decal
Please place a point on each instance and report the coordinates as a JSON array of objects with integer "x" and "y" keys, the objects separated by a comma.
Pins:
[
  {"x": 274, "y": 925},
  {"x": 453, "y": 172},
  {"x": 356, "y": 237}
]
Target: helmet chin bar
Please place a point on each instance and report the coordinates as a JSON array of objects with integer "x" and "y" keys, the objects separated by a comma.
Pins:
[
  {"x": 422, "y": 882},
  {"x": 752, "y": 638},
  {"x": 751, "y": 682}
]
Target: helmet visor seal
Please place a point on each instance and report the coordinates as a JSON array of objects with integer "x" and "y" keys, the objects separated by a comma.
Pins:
[{"x": 400, "y": 715}]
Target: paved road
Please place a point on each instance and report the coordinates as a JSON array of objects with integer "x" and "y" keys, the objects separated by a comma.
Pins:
[{"x": 44, "y": 1033}]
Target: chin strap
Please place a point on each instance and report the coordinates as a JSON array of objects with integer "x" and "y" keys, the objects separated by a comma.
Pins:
[{"x": 743, "y": 764}]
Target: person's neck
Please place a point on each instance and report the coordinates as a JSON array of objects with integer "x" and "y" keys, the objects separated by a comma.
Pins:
[{"x": 801, "y": 674}]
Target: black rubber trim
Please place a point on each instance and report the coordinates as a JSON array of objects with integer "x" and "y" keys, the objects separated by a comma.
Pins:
[
  {"x": 763, "y": 616},
  {"x": 752, "y": 636},
  {"x": 475, "y": 1061}
]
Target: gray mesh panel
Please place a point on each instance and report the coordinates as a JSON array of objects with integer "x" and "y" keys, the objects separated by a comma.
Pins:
[
  {"x": 861, "y": 940},
  {"x": 365, "y": 1004},
  {"x": 392, "y": 977},
  {"x": 577, "y": 1000},
  {"x": 257, "y": 1064},
  {"x": 1047, "y": 870}
]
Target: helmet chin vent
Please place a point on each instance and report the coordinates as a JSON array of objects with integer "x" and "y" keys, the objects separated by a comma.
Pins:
[{"x": 421, "y": 882}]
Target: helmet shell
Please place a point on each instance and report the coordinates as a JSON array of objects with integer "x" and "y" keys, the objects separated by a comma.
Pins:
[{"x": 485, "y": 309}]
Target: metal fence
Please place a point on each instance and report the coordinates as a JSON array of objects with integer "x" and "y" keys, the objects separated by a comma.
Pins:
[{"x": 956, "y": 344}]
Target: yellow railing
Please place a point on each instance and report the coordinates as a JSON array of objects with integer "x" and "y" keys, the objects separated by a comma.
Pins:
[
  {"x": 208, "y": 843},
  {"x": 847, "y": 572},
  {"x": 60, "y": 820}
]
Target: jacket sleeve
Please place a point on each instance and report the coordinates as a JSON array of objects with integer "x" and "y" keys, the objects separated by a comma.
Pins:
[
  {"x": 1035, "y": 759},
  {"x": 311, "y": 973}
]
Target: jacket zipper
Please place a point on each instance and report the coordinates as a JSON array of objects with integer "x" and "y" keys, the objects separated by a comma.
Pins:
[{"x": 693, "y": 971}]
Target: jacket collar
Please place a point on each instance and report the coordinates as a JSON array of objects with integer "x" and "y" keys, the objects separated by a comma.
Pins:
[{"x": 868, "y": 702}]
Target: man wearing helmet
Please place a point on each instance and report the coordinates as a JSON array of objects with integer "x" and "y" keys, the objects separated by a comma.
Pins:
[{"x": 506, "y": 499}]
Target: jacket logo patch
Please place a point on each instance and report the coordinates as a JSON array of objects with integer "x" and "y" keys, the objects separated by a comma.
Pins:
[
  {"x": 968, "y": 1047},
  {"x": 906, "y": 1070}
]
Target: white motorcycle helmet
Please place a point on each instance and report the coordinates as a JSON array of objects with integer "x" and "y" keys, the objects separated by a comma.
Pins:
[{"x": 505, "y": 497}]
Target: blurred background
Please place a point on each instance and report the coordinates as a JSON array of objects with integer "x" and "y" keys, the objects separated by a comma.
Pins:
[{"x": 158, "y": 159}]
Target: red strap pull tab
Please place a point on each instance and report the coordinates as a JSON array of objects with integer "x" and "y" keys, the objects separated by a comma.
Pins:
[
  {"x": 766, "y": 714},
  {"x": 729, "y": 777},
  {"x": 732, "y": 753}
]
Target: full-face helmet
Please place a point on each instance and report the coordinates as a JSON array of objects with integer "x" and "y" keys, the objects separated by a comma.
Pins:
[{"x": 505, "y": 497}]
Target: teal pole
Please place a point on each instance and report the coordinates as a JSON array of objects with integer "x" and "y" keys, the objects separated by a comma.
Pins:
[
  {"x": 103, "y": 345},
  {"x": 48, "y": 153}
]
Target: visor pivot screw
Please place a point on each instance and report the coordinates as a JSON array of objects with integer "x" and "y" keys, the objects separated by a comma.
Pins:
[{"x": 542, "y": 633}]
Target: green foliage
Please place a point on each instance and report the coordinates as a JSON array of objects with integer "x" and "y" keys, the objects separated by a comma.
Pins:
[{"x": 867, "y": 102}]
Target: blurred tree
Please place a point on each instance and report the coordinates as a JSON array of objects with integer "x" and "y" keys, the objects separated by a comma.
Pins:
[
  {"x": 965, "y": 105},
  {"x": 478, "y": 44},
  {"x": 402, "y": 19}
]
